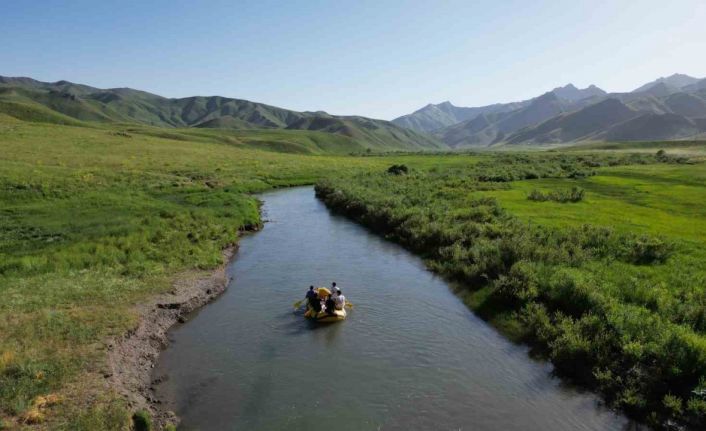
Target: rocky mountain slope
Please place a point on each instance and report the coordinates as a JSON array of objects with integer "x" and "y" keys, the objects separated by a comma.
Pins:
[{"x": 668, "y": 108}]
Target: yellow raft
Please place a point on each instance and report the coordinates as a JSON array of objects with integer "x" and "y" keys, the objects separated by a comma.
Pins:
[{"x": 323, "y": 316}]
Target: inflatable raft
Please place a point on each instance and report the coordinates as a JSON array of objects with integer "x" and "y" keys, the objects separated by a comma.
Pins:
[{"x": 323, "y": 316}]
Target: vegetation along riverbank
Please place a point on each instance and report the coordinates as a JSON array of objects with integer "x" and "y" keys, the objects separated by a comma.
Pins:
[
  {"x": 596, "y": 260},
  {"x": 95, "y": 222},
  {"x": 99, "y": 221}
]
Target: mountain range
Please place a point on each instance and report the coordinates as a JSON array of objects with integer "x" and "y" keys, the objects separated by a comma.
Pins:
[
  {"x": 65, "y": 102},
  {"x": 668, "y": 108}
]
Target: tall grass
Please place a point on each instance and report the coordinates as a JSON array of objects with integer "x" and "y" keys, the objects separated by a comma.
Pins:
[{"x": 615, "y": 307}]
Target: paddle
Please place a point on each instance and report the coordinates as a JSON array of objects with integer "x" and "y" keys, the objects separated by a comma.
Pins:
[{"x": 299, "y": 303}]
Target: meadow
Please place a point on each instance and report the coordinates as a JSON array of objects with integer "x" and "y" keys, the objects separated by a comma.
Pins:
[
  {"x": 608, "y": 285},
  {"x": 96, "y": 218},
  {"x": 93, "y": 220}
]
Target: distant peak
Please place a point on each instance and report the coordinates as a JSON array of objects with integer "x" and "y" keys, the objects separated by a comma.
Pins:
[{"x": 550, "y": 95}]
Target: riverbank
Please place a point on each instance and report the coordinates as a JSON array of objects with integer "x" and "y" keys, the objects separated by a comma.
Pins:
[
  {"x": 96, "y": 220},
  {"x": 132, "y": 357},
  {"x": 245, "y": 361},
  {"x": 613, "y": 308}
]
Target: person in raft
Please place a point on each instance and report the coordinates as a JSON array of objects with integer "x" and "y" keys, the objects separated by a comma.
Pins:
[
  {"x": 339, "y": 299},
  {"x": 313, "y": 299},
  {"x": 330, "y": 305}
]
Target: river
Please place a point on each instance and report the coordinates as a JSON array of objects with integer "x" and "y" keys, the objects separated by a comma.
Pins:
[{"x": 410, "y": 356}]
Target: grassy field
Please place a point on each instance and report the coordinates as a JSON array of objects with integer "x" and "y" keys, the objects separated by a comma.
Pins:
[
  {"x": 595, "y": 260},
  {"x": 95, "y": 218},
  {"x": 687, "y": 147}
]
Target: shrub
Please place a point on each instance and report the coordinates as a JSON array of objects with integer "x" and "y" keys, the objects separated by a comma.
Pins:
[
  {"x": 520, "y": 284},
  {"x": 576, "y": 194},
  {"x": 673, "y": 405},
  {"x": 645, "y": 250},
  {"x": 398, "y": 170},
  {"x": 537, "y": 323},
  {"x": 142, "y": 421}
]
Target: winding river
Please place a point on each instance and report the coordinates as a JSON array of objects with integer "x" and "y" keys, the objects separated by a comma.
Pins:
[{"x": 410, "y": 356}]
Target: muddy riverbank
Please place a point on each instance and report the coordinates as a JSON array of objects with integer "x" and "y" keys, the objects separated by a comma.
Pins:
[{"x": 132, "y": 357}]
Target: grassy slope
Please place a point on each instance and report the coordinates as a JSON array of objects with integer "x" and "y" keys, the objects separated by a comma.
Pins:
[
  {"x": 55, "y": 102},
  {"x": 92, "y": 219},
  {"x": 631, "y": 328}
]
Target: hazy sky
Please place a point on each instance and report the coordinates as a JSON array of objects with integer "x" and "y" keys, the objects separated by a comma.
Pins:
[{"x": 375, "y": 58}]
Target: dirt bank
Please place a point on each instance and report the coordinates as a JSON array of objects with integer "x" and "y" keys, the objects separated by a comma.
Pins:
[{"x": 132, "y": 357}]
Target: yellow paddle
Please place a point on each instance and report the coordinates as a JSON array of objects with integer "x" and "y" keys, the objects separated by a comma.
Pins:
[{"x": 299, "y": 303}]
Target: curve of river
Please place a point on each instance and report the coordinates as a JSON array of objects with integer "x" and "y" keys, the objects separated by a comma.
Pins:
[{"x": 410, "y": 356}]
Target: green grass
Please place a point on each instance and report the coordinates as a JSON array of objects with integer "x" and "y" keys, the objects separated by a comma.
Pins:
[
  {"x": 697, "y": 147},
  {"x": 657, "y": 200},
  {"x": 95, "y": 219},
  {"x": 64, "y": 103},
  {"x": 611, "y": 288}
]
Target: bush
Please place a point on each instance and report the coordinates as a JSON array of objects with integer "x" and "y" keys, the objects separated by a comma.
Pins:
[
  {"x": 519, "y": 285},
  {"x": 576, "y": 194},
  {"x": 142, "y": 421},
  {"x": 398, "y": 170},
  {"x": 538, "y": 325},
  {"x": 644, "y": 250},
  {"x": 575, "y": 291}
]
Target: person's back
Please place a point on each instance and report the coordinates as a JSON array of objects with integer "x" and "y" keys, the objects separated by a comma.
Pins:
[
  {"x": 330, "y": 305},
  {"x": 340, "y": 300},
  {"x": 313, "y": 299}
]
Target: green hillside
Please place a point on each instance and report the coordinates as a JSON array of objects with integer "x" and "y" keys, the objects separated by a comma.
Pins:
[{"x": 64, "y": 102}]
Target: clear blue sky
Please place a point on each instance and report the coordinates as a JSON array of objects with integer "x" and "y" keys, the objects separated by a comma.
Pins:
[{"x": 374, "y": 58}]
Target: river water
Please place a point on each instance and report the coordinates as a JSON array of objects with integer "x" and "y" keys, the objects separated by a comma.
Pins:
[{"x": 410, "y": 356}]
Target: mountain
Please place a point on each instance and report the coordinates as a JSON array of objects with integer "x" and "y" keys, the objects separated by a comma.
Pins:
[
  {"x": 69, "y": 103},
  {"x": 676, "y": 81},
  {"x": 653, "y": 127},
  {"x": 433, "y": 117},
  {"x": 571, "y": 93},
  {"x": 676, "y": 104},
  {"x": 686, "y": 104},
  {"x": 579, "y": 125},
  {"x": 696, "y": 86},
  {"x": 491, "y": 130}
]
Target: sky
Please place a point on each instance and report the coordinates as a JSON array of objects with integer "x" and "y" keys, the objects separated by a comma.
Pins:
[{"x": 381, "y": 59}]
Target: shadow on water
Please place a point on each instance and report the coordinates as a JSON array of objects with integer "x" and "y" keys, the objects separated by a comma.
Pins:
[{"x": 410, "y": 357}]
